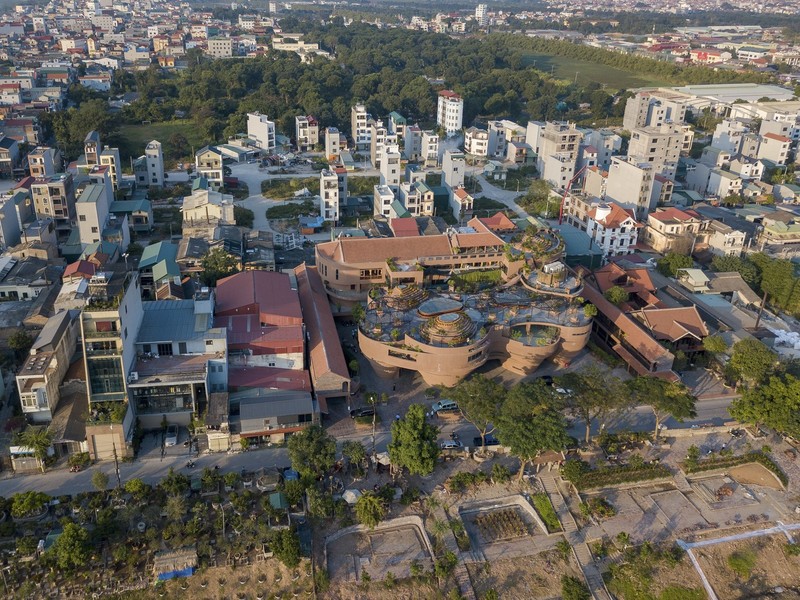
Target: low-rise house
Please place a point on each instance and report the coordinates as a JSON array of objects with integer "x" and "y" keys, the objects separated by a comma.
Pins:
[
  {"x": 672, "y": 230},
  {"x": 208, "y": 163}
]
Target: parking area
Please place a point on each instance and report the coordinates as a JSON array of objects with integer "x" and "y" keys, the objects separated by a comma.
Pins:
[{"x": 154, "y": 445}]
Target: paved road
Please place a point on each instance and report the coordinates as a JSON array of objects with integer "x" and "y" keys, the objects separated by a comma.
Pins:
[{"x": 507, "y": 197}]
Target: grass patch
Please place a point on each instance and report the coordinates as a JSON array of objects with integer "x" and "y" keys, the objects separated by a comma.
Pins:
[
  {"x": 367, "y": 420},
  {"x": 282, "y": 189},
  {"x": 292, "y": 210},
  {"x": 632, "y": 578},
  {"x": 362, "y": 186},
  {"x": 541, "y": 502},
  {"x": 486, "y": 207},
  {"x": 243, "y": 216},
  {"x": 725, "y": 462},
  {"x": 565, "y": 68},
  {"x": 475, "y": 280},
  {"x": 133, "y": 138},
  {"x": 742, "y": 563}
]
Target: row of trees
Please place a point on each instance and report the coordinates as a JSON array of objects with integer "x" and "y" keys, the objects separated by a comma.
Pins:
[
  {"x": 775, "y": 277},
  {"x": 529, "y": 417}
]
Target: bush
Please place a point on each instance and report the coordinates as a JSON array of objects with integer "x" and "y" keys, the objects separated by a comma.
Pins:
[
  {"x": 578, "y": 473},
  {"x": 598, "y": 507},
  {"x": 574, "y": 470},
  {"x": 573, "y": 588},
  {"x": 725, "y": 462},
  {"x": 742, "y": 563},
  {"x": 792, "y": 549},
  {"x": 445, "y": 566},
  {"x": 28, "y": 503},
  {"x": 541, "y": 502},
  {"x": 461, "y": 482},
  {"x": 500, "y": 473}
]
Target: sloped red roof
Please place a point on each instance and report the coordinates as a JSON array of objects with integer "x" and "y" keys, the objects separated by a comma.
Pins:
[
  {"x": 404, "y": 227},
  {"x": 240, "y": 378},
  {"x": 80, "y": 268},
  {"x": 265, "y": 293}
]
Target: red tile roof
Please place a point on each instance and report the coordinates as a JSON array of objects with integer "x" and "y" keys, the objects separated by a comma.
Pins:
[
  {"x": 265, "y": 293},
  {"x": 615, "y": 218},
  {"x": 240, "y": 378},
  {"x": 673, "y": 324},
  {"x": 674, "y": 214},
  {"x": 78, "y": 269},
  {"x": 497, "y": 222},
  {"x": 404, "y": 227},
  {"x": 775, "y": 136}
]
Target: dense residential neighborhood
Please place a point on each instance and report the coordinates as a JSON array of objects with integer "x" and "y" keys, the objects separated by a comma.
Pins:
[{"x": 322, "y": 301}]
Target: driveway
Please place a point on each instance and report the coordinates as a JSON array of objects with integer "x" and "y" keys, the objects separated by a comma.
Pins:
[{"x": 507, "y": 197}]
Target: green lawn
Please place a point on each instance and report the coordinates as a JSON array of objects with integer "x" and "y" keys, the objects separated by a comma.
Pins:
[
  {"x": 566, "y": 68},
  {"x": 133, "y": 138}
]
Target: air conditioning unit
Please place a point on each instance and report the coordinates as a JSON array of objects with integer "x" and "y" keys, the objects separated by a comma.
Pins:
[{"x": 134, "y": 376}]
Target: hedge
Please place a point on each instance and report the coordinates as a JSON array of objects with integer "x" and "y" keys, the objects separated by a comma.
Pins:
[
  {"x": 607, "y": 476},
  {"x": 725, "y": 462},
  {"x": 541, "y": 502}
]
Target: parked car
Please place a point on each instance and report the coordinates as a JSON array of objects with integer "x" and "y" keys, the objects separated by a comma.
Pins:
[
  {"x": 490, "y": 441},
  {"x": 364, "y": 411},
  {"x": 444, "y": 406},
  {"x": 172, "y": 436},
  {"x": 450, "y": 445}
]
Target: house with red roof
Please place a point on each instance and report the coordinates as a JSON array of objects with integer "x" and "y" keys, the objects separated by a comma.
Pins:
[{"x": 673, "y": 230}]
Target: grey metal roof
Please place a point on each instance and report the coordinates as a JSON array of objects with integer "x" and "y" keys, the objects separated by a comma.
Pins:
[
  {"x": 174, "y": 320},
  {"x": 52, "y": 331},
  {"x": 260, "y": 403}
]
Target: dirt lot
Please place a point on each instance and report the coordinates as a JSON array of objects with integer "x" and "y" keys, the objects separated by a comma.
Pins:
[
  {"x": 756, "y": 474},
  {"x": 528, "y": 578},
  {"x": 261, "y": 580},
  {"x": 379, "y": 590},
  {"x": 771, "y": 567}
]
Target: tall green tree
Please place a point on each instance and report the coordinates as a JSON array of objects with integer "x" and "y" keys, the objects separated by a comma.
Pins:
[
  {"x": 312, "y": 451},
  {"x": 665, "y": 398},
  {"x": 20, "y": 342},
  {"x": 595, "y": 395},
  {"x": 217, "y": 264},
  {"x": 39, "y": 439},
  {"x": 752, "y": 361},
  {"x": 413, "y": 444},
  {"x": 745, "y": 268},
  {"x": 775, "y": 404},
  {"x": 71, "y": 549},
  {"x": 715, "y": 344},
  {"x": 370, "y": 509},
  {"x": 616, "y": 295},
  {"x": 480, "y": 400},
  {"x": 530, "y": 423},
  {"x": 354, "y": 451},
  {"x": 99, "y": 480}
]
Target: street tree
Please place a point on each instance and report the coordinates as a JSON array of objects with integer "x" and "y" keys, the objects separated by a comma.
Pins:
[
  {"x": 413, "y": 444},
  {"x": 665, "y": 399},
  {"x": 715, "y": 344},
  {"x": 312, "y": 451},
  {"x": 530, "y": 423},
  {"x": 775, "y": 404},
  {"x": 745, "y": 268},
  {"x": 217, "y": 264},
  {"x": 39, "y": 440},
  {"x": 752, "y": 361},
  {"x": 480, "y": 400},
  {"x": 370, "y": 509},
  {"x": 99, "y": 480},
  {"x": 20, "y": 342},
  {"x": 286, "y": 546},
  {"x": 137, "y": 488},
  {"x": 354, "y": 451},
  {"x": 595, "y": 395},
  {"x": 175, "y": 507},
  {"x": 72, "y": 548}
]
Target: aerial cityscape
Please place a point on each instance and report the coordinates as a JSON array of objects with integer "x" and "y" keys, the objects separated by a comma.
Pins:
[{"x": 389, "y": 300}]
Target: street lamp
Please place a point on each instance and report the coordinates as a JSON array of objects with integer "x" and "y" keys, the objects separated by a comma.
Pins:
[{"x": 125, "y": 256}]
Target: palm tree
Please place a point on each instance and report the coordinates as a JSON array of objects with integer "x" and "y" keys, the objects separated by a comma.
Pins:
[{"x": 38, "y": 439}]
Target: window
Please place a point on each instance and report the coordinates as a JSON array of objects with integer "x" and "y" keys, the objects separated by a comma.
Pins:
[
  {"x": 94, "y": 229},
  {"x": 146, "y": 348},
  {"x": 165, "y": 349},
  {"x": 181, "y": 347},
  {"x": 209, "y": 342},
  {"x": 82, "y": 218}
]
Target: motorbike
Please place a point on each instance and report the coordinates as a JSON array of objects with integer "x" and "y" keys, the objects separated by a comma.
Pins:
[{"x": 190, "y": 464}]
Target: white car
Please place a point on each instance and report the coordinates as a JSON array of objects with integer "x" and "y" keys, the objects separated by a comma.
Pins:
[
  {"x": 450, "y": 445},
  {"x": 172, "y": 436}
]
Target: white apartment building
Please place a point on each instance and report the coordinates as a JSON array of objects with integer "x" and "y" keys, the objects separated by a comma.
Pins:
[
  {"x": 417, "y": 198},
  {"x": 497, "y": 144},
  {"x": 605, "y": 141},
  {"x": 382, "y": 200},
  {"x": 332, "y": 192},
  {"x": 722, "y": 183},
  {"x": 454, "y": 167},
  {"x": 109, "y": 157},
  {"x": 476, "y": 142},
  {"x": 774, "y": 148},
  {"x": 154, "y": 156},
  {"x": 412, "y": 143},
  {"x": 359, "y": 127},
  {"x": 728, "y": 135},
  {"x": 220, "y": 47},
  {"x": 333, "y": 143},
  {"x": 450, "y": 111},
  {"x": 92, "y": 210},
  {"x": 44, "y": 161},
  {"x": 390, "y": 167},
  {"x": 306, "y": 129},
  {"x": 481, "y": 15},
  {"x": 461, "y": 204},
  {"x": 557, "y": 145},
  {"x": 429, "y": 148},
  {"x": 262, "y": 130},
  {"x": 631, "y": 186}
]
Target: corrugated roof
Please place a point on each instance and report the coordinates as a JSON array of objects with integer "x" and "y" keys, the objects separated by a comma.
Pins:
[
  {"x": 155, "y": 253},
  {"x": 267, "y": 292},
  {"x": 172, "y": 320},
  {"x": 258, "y": 404},
  {"x": 324, "y": 346}
]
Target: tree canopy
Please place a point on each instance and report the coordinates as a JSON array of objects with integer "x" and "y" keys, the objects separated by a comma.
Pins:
[
  {"x": 480, "y": 400},
  {"x": 312, "y": 451},
  {"x": 752, "y": 361},
  {"x": 370, "y": 509},
  {"x": 616, "y": 295},
  {"x": 217, "y": 264},
  {"x": 37, "y": 438},
  {"x": 71, "y": 549},
  {"x": 595, "y": 395},
  {"x": 670, "y": 264},
  {"x": 775, "y": 404},
  {"x": 665, "y": 398},
  {"x": 413, "y": 444},
  {"x": 530, "y": 423}
]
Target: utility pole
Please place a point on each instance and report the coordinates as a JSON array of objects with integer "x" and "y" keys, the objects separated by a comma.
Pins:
[{"x": 116, "y": 466}]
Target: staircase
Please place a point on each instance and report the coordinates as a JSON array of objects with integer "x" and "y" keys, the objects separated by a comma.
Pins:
[
  {"x": 681, "y": 482},
  {"x": 594, "y": 580}
]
